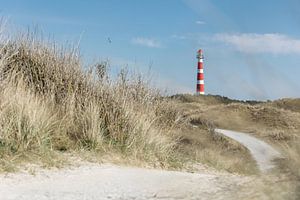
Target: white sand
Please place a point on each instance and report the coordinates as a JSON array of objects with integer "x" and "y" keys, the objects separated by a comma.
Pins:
[{"x": 93, "y": 181}]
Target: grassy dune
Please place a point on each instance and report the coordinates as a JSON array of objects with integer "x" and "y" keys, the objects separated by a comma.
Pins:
[
  {"x": 49, "y": 104},
  {"x": 276, "y": 122}
]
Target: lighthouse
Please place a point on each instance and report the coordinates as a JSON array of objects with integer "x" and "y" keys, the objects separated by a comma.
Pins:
[{"x": 200, "y": 74}]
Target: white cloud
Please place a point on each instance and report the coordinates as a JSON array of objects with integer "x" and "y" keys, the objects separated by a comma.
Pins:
[
  {"x": 200, "y": 22},
  {"x": 261, "y": 43},
  {"x": 148, "y": 42}
]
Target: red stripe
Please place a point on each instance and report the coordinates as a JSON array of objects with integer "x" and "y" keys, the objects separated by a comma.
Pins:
[
  {"x": 201, "y": 88},
  {"x": 200, "y": 65},
  {"x": 201, "y": 76}
]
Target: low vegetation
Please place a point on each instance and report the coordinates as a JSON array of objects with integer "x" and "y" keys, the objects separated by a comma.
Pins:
[{"x": 276, "y": 122}]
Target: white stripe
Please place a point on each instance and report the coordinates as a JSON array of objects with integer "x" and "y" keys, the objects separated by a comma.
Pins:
[
  {"x": 201, "y": 92},
  {"x": 201, "y": 60},
  {"x": 200, "y": 81},
  {"x": 200, "y": 71}
]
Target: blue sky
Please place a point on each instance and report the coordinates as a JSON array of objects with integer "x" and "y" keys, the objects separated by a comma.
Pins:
[{"x": 251, "y": 48}]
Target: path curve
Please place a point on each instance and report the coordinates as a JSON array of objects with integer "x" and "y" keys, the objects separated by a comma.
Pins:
[{"x": 263, "y": 153}]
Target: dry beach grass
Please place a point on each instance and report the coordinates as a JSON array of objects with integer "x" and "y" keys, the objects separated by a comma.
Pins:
[{"x": 49, "y": 103}]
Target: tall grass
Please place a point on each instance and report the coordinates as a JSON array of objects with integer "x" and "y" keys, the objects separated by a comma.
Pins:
[{"x": 49, "y": 101}]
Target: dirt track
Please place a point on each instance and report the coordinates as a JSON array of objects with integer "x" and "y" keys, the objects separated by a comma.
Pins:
[{"x": 263, "y": 153}]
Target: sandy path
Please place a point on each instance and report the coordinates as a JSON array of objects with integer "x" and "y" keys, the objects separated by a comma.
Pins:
[
  {"x": 263, "y": 153},
  {"x": 93, "y": 181}
]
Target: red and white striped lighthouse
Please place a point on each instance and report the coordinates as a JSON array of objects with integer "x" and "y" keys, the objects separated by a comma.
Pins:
[{"x": 200, "y": 74}]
